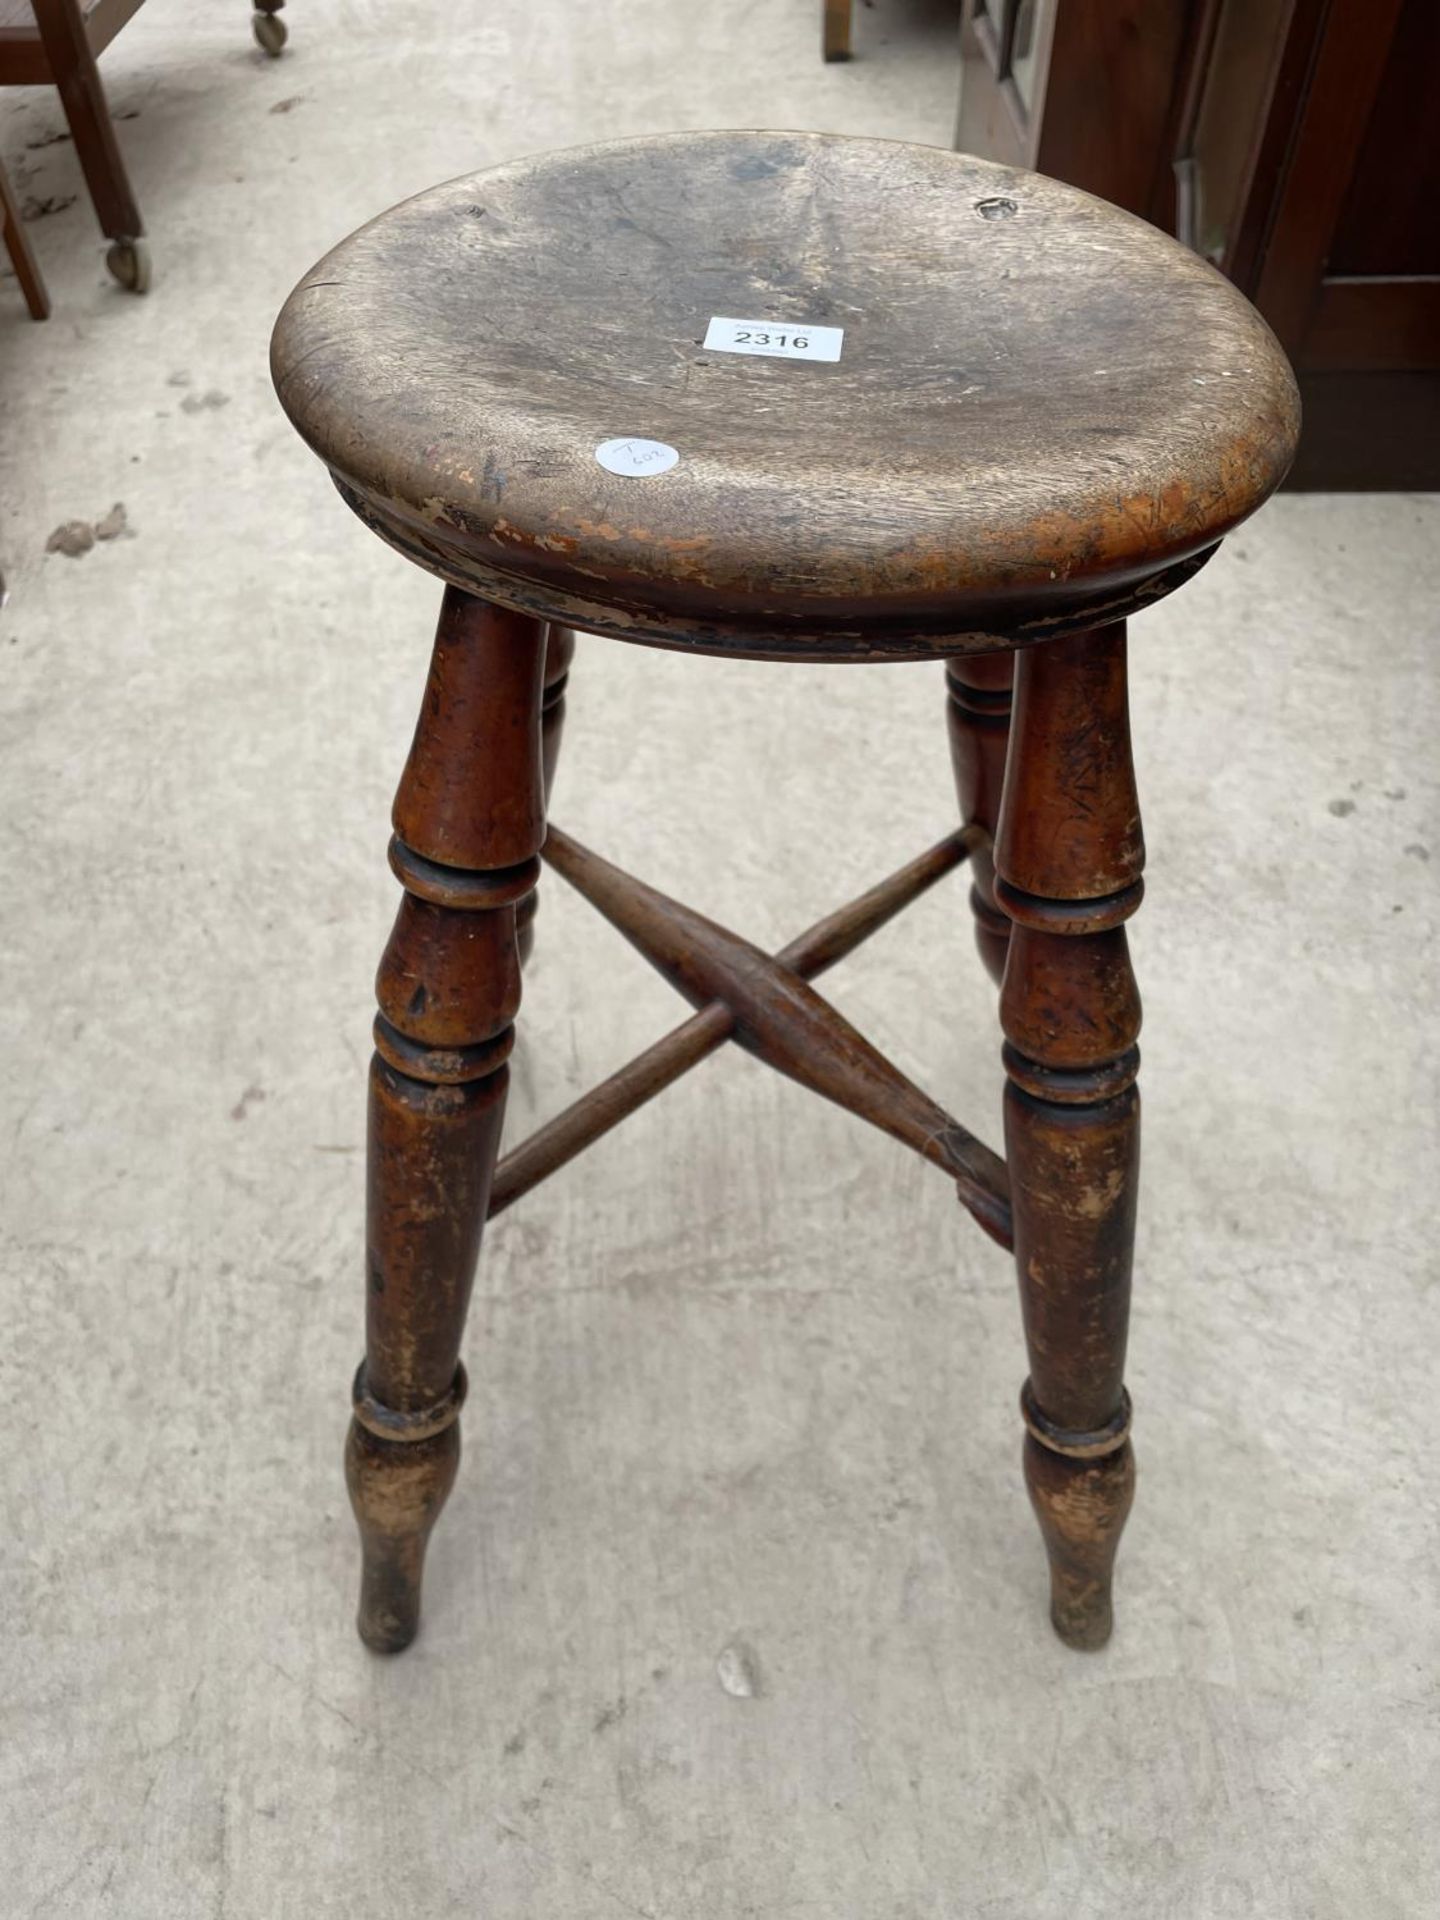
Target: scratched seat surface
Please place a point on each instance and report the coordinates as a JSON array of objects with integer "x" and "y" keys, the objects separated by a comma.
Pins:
[{"x": 1036, "y": 411}]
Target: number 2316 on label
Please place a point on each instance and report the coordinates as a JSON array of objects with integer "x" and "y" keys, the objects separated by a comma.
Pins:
[{"x": 776, "y": 338}]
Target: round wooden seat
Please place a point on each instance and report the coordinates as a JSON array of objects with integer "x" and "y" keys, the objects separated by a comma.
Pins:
[{"x": 1044, "y": 412}]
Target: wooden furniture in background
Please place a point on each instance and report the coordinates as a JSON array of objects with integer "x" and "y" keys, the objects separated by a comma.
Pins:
[
  {"x": 1043, "y": 417},
  {"x": 1078, "y": 90},
  {"x": 22, "y": 259},
  {"x": 58, "y": 43},
  {"x": 1329, "y": 219},
  {"x": 1292, "y": 142},
  {"x": 835, "y": 20}
]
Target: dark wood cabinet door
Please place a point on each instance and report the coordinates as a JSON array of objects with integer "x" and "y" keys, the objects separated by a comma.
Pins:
[
  {"x": 1296, "y": 143},
  {"x": 1349, "y": 273},
  {"x": 1005, "y": 48}
]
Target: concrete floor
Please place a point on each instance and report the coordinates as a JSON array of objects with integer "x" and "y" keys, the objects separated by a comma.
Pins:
[{"x": 743, "y": 1381}]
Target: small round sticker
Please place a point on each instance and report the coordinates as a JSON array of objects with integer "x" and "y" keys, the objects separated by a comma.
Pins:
[{"x": 636, "y": 459}]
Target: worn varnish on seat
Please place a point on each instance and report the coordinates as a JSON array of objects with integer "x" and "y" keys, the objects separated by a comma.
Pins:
[{"x": 1045, "y": 412}]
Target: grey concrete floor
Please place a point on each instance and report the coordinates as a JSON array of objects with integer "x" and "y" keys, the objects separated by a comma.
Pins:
[{"x": 745, "y": 1374}]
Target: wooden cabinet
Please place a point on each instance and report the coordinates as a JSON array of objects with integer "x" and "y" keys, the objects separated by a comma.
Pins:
[
  {"x": 1294, "y": 142},
  {"x": 1079, "y": 89}
]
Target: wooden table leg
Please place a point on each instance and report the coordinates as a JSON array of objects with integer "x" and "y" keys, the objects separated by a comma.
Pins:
[
  {"x": 22, "y": 258},
  {"x": 77, "y": 80},
  {"x": 979, "y": 716},
  {"x": 469, "y": 823},
  {"x": 1069, "y": 856},
  {"x": 835, "y": 37}
]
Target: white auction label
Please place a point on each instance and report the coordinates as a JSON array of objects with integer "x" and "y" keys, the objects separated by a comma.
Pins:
[
  {"x": 776, "y": 338},
  {"x": 635, "y": 459}
]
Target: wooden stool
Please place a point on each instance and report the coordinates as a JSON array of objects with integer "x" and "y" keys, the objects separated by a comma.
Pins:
[{"x": 782, "y": 397}]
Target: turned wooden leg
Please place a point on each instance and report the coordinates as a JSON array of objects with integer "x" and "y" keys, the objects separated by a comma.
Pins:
[
  {"x": 1068, "y": 856},
  {"x": 979, "y": 717},
  {"x": 559, "y": 652},
  {"x": 835, "y": 29},
  {"x": 469, "y": 822}
]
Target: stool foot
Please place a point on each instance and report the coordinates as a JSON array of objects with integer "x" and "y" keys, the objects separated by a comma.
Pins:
[
  {"x": 1082, "y": 1506},
  {"x": 397, "y": 1488}
]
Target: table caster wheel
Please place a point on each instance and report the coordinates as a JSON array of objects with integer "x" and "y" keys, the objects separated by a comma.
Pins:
[
  {"x": 270, "y": 32},
  {"x": 129, "y": 262}
]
